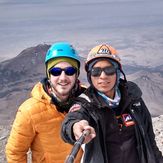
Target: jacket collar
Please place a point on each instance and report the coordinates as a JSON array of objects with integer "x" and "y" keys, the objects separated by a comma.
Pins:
[{"x": 129, "y": 92}]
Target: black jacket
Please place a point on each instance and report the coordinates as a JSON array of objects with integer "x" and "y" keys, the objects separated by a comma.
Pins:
[{"x": 93, "y": 106}]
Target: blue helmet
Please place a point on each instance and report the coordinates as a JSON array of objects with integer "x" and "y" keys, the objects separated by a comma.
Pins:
[{"x": 62, "y": 49}]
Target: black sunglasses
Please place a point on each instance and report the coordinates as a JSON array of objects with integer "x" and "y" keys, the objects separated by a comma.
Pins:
[
  {"x": 69, "y": 71},
  {"x": 96, "y": 71}
]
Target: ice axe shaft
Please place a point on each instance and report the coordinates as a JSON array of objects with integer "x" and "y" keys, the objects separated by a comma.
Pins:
[{"x": 77, "y": 145}]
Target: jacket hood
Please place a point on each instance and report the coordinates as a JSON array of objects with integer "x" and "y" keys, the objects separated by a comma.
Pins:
[
  {"x": 134, "y": 91},
  {"x": 39, "y": 93}
]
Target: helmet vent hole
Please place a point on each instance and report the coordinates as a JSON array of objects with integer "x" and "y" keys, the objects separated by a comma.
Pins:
[{"x": 60, "y": 50}]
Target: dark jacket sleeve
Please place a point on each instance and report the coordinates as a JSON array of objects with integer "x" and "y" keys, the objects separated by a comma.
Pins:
[
  {"x": 71, "y": 118},
  {"x": 151, "y": 135}
]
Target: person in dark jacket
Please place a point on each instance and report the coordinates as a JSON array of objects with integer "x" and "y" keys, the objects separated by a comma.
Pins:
[{"x": 113, "y": 111}]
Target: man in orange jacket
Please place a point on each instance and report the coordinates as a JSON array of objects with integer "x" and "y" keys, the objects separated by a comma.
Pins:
[{"x": 38, "y": 120}]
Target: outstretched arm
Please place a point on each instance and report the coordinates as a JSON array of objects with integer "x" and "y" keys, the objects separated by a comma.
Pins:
[{"x": 76, "y": 121}]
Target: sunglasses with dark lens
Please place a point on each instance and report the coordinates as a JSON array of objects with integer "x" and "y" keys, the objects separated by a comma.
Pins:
[
  {"x": 69, "y": 71},
  {"x": 96, "y": 71}
]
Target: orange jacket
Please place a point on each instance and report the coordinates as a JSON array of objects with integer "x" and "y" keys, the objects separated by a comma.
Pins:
[{"x": 37, "y": 127}]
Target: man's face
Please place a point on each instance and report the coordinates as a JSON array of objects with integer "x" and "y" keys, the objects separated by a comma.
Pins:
[
  {"x": 104, "y": 83},
  {"x": 63, "y": 83}
]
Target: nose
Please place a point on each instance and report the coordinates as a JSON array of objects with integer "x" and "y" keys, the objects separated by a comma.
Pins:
[
  {"x": 63, "y": 75},
  {"x": 102, "y": 74}
]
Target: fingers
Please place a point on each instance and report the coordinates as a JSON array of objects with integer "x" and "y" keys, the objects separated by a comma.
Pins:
[
  {"x": 80, "y": 127},
  {"x": 75, "y": 107},
  {"x": 91, "y": 135}
]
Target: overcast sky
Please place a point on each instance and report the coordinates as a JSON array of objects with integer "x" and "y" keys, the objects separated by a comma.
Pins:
[{"x": 134, "y": 27}]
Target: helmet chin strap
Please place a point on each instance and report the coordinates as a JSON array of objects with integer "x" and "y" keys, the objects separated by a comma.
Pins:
[
  {"x": 124, "y": 76},
  {"x": 52, "y": 89}
]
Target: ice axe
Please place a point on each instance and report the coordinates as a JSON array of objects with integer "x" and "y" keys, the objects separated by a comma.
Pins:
[{"x": 77, "y": 145}]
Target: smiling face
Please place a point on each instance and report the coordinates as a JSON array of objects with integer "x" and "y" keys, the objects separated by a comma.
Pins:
[
  {"x": 104, "y": 83},
  {"x": 63, "y": 84}
]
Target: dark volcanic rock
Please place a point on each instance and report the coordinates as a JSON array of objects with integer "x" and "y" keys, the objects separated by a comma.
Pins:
[{"x": 28, "y": 64}]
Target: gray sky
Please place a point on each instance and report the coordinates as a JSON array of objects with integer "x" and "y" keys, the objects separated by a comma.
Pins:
[{"x": 134, "y": 27}]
